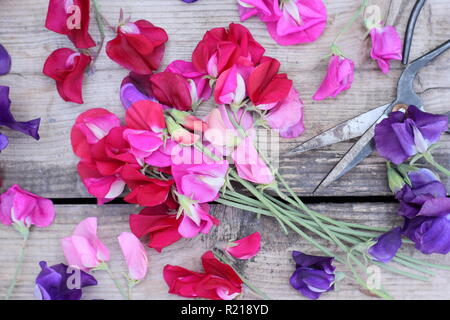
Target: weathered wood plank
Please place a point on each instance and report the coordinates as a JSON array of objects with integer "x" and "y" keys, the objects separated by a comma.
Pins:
[
  {"x": 48, "y": 167},
  {"x": 269, "y": 270}
]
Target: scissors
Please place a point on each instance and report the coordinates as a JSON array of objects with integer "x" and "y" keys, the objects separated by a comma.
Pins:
[{"x": 363, "y": 126}]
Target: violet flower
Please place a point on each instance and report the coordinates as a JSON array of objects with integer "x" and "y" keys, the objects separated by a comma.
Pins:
[
  {"x": 387, "y": 245},
  {"x": 313, "y": 276},
  {"x": 56, "y": 282},
  {"x": 403, "y": 135},
  {"x": 5, "y": 61},
  {"x": 425, "y": 197},
  {"x": 7, "y": 119},
  {"x": 189, "y": 1}
]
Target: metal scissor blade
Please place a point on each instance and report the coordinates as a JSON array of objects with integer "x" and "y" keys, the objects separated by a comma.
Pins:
[{"x": 346, "y": 130}]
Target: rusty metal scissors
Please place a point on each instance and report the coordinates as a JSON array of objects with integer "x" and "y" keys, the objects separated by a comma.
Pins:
[{"x": 363, "y": 126}]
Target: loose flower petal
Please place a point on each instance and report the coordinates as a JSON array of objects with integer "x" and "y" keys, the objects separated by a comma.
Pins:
[
  {"x": 339, "y": 78},
  {"x": 386, "y": 245},
  {"x": 135, "y": 255},
  {"x": 5, "y": 61},
  {"x": 245, "y": 248}
]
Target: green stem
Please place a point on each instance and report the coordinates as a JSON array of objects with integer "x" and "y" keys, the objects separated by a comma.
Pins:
[
  {"x": 18, "y": 266},
  {"x": 429, "y": 158},
  {"x": 347, "y": 26},
  {"x": 101, "y": 29},
  {"x": 116, "y": 283}
]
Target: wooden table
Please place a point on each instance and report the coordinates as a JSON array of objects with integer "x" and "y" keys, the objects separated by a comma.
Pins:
[{"x": 48, "y": 167}]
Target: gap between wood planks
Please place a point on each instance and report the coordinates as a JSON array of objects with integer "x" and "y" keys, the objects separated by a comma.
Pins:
[{"x": 305, "y": 199}]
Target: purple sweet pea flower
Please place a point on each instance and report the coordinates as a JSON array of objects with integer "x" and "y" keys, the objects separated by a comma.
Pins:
[
  {"x": 402, "y": 135},
  {"x": 7, "y": 119},
  {"x": 313, "y": 276},
  {"x": 5, "y": 61},
  {"x": 3, "y": 141},
  {"x": 425, "y": 197},
  {"x": 51, "y": 283},
  {"x": 387, "y": 245},
  {"x": 189, "y": 1},
  {"x": 430, "y": 234}
]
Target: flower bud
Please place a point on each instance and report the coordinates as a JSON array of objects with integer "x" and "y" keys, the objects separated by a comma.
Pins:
[
  {"x": 396, "y": 181},
  {"x": 180, "y": 134}
]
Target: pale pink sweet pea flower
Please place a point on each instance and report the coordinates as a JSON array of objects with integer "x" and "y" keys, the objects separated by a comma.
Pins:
[
  {"x": 386, "y": 46},
  {"x": 299, "y": 21},
  {"x": 339, "y": 78},
  {"x": 249, "y": 164},
  {"x": 135, "y": 255},
  {"x": 245, "y": 248},
  {"x": 286, "y": 117},
  {"x": 196, "y": 219},
  {"x": 84, "y": 249},
  {"x": 18, "y": 205}
]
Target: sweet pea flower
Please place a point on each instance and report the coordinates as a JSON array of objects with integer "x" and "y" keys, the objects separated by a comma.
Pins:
[
  {"x": 5, "y": 61},
  {"x": 90, "y": 127},
  {"x": 138, "y": 46},
  {"x": 425, "y": 197},
  {"x": 404, "y": 134},
  {"x": 130, "y": 94},
  {"x": 230, "y": 87},
  {"x": 71, "y": 18},
  {"x": 218, "y": 282},
  {"x": 286, "y": 117},
  {"x": 386, "y": 245},
  {"x": 386, "y": 46},
  {"x": 200, "y": 88},
  {"x": 189, "y": 1},
  {"x": 145, "y": 115},
  {"x": 198, "y": 178},
  {"x": 250, "y": 8},
  {"x": 296, "y": 21},
  {"x": 196, "y": 218},
  {"x": 52, "y": 282},
  {"x": 249, "y": 164},
  {"x": 135, "y": 255},
  {"x": 159, "y": 224},
  {"x": 67, "y": 67},
  {"x": 84, "y": 249},
  {"x": 339, "y": 78},
  {"x": 21, "y": 206},
  {"x": 245, "y": 248},
  {"x": 172, "y": 90},
  {"x": 30, "y": 128},
  {"x": 142, "y": 142},
  {"x": 313, "y": 276}
]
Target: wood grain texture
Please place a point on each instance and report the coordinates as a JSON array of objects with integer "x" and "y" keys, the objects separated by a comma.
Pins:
[
  {"x": 48, "y": 166},
  {"x": 269, "y": 270}
]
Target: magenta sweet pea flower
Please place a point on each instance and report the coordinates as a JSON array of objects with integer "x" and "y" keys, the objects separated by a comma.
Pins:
[
  {"x": 5, "y": 61},
  {"x": 135, "y": 255},
  {"x": 250, "y": 8},
  {"x": 313, "y": 276},
  {"x": 404, "y": 134},
  {"x": 52, "y": 282},
  {"x": 296, "y": 21},
  {"x": 245, "y": 248},
  {"x": 84, "y": 249},
  {"x": 230, "y": 87},
  {"x": 143, "y": 142},
  {"x": 386, "y": 46},
  {"x": 339, "y": 78},
  {"x": 386, "y": 245},
  {"x": 20, "y": 206}
]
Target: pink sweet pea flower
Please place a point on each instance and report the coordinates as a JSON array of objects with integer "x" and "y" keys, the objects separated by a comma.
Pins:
[
  {"x": 196, "y": 218},
  {"x": 142, "y": 142},
  {"x": 287, "y": 116},
  {"x": 299, "y": 21},
  {"x": 250, "y": 8},
  {"x": 197, "y": 178},
  {"x": 245, "y": 248},
  {"x": 339, "y": 78},
  {"x": 135, "y": 255},
  {"x": 18, "y": 205},
  {"x": 230, "y": 87},
  {"x": 84, "y": 249},
  {"x": 386, "y": 46},
  {"x": 249, "y": 164}
]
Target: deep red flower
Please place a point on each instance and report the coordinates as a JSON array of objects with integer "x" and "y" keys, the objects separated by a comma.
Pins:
[
  {"x": 145, "y": 191},
  {"x": 71, "y": 18},
  {"x": 218, "y": 282},
  {"x": 221, "y": 48},
  {"x": 172, "y": 90},
  {"x": 67, "y": 67},
  {"x": 156, "y": 222},
  {"x": 265, "y": 86},
  {"x": 138, "y": 46}
]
